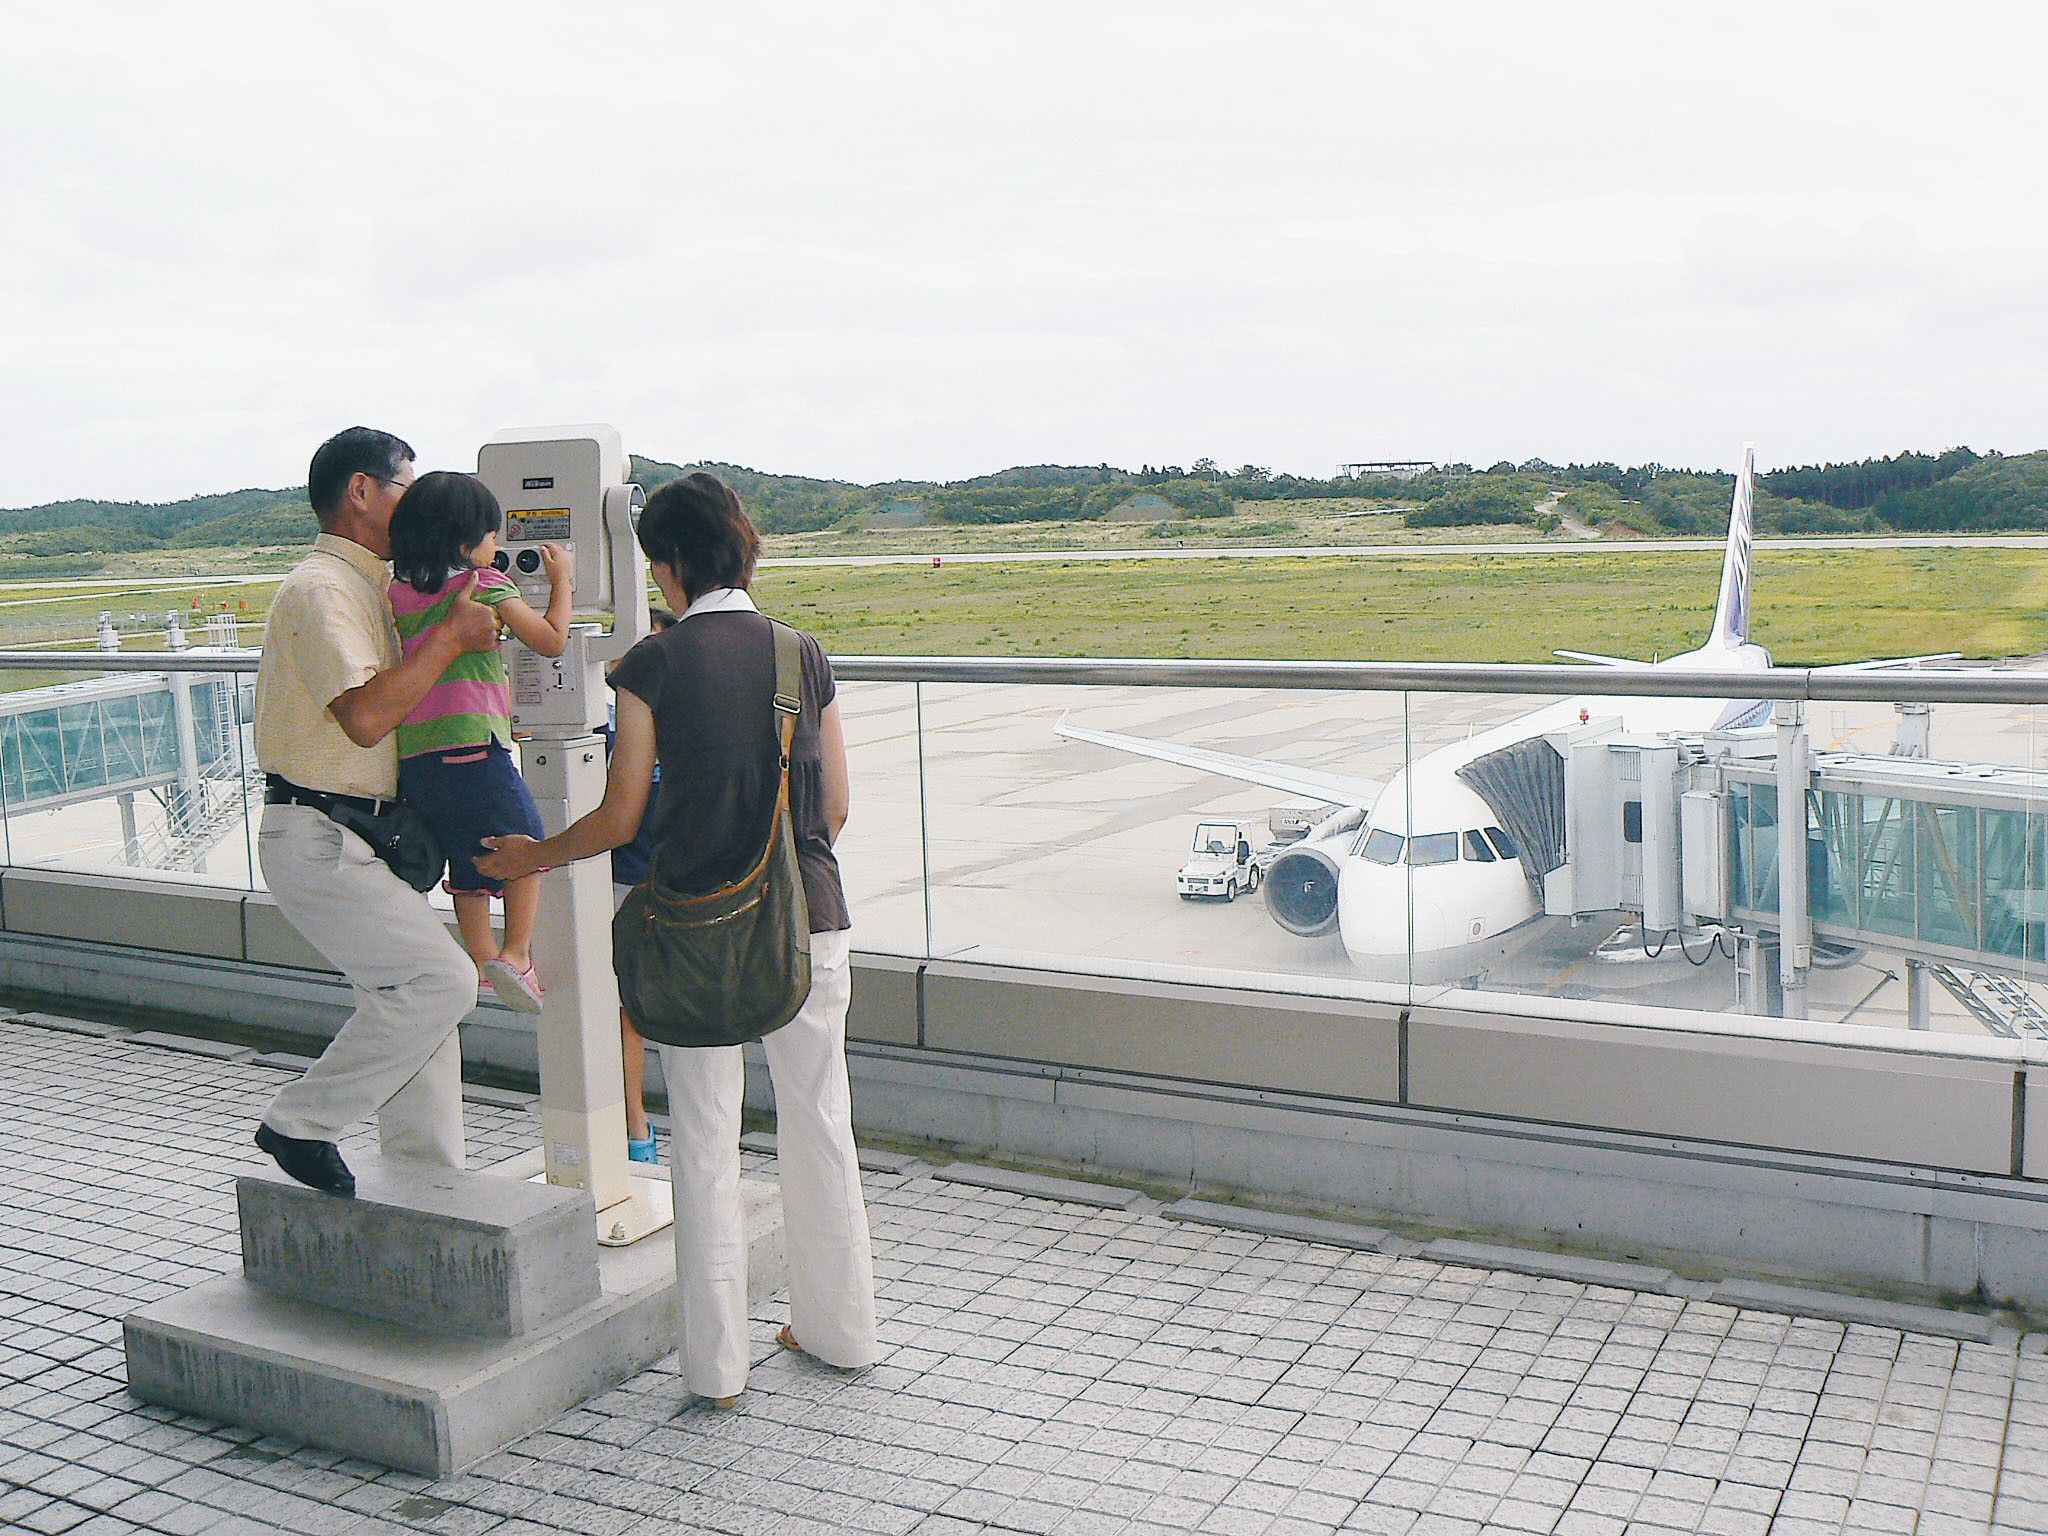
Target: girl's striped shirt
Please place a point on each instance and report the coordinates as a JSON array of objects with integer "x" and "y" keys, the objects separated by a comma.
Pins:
[{"x": 471, "y": 705}]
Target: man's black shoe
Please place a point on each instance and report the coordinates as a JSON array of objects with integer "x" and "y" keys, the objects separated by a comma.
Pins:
[{"x": 317, "y": 1163}]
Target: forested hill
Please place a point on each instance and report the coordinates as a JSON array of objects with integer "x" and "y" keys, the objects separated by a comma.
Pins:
[{"x": 1912, "y": 492}]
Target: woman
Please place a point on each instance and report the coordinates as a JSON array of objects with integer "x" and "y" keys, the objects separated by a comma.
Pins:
[{"x": 697, "y": 699}]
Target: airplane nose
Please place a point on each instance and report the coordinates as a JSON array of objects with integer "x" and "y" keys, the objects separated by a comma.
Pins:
[{"x": 1371, "y": 910}]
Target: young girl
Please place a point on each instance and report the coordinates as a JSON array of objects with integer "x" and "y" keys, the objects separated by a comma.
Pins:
[{"x": 455, "y": 750}]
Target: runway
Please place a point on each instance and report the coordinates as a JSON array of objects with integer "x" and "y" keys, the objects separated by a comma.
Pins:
[
  {"x": 112, "y": 585},
  {"x": 1418, "y": 551}
]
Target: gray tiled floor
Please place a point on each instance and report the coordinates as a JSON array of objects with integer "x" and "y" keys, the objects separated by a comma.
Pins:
[{"x": 1048, "y": 1368}]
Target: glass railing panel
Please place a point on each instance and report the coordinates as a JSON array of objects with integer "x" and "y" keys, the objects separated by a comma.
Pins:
[
  {"x": 880, "y": 853},
  {"x": 1921, "y": 850},
  {"x": 141, "y": 773},
  {"x": 236, "y": 703},
  {"x": 1091, "y": 851}
]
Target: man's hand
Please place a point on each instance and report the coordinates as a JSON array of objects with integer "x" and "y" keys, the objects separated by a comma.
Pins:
[
  {"x": 471, "y": 625},
  {"x": 560, "y": 572}
]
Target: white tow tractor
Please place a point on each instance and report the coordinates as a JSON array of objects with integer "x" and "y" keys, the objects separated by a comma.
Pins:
[{"x": 1222, "y": 865}]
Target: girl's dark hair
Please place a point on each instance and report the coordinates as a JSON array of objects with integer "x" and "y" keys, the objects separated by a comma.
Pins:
[
  {"x": 441, "y": 517},
  {"x": 697, "y": 528}
]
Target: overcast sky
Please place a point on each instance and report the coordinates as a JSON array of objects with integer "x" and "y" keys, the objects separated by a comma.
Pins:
[{"x": 931, "y": 240}]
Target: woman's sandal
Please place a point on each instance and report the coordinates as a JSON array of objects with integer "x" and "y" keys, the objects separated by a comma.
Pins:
[
  {"x": 788, "y": 1340},
  {"x": 725, "y": 1402}
]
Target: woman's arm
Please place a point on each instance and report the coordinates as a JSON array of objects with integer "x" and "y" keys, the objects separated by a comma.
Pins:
[
  {"x": 838, "y": 786},
  {"x": 614, "y": 821}
]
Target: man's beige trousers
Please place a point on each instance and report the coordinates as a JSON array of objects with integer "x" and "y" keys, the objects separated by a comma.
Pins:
[{"x": 397, "y": 1057}]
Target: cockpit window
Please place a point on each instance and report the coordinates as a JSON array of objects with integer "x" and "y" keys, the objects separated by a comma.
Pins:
[
  {"x": 1382, "y": 847},
  {"x": 1503, "y": 844},
  {"x": 1433, "y": 848},
  {"x": 1476, "y": 849}
]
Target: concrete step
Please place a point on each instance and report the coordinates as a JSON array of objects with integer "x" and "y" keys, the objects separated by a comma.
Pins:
[
  {"x": 412, "y": 1397},
  {"x": 435, "y": 1248}
]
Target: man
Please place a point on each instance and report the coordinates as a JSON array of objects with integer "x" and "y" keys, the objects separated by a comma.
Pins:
[{"x": 330, "y": 692}]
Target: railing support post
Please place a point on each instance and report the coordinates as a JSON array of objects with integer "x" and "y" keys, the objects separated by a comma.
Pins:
[{"x": 1795, "y": 916}]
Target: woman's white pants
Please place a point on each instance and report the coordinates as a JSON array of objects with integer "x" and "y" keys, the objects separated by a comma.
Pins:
[{"x": 825, "y": 1223}]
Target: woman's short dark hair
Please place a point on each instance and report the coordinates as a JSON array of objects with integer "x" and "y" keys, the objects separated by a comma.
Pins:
[
  {"x": 697, "y": 528},
  {"x": 441, "y": 517}
]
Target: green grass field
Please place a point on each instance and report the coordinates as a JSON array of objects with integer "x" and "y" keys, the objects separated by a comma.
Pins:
[{"x": 1811, "y": 607}]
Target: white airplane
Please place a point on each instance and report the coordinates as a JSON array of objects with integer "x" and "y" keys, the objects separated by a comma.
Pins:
[{"x": 1421, "y": 866}]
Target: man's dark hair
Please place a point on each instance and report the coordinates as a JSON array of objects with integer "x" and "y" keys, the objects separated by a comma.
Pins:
[
  {"x": 659, "y": 618},
  {"x": 697, "y": 528},
  {"x": 441, "y": 517},
  {"x": 356, "y": 451}
]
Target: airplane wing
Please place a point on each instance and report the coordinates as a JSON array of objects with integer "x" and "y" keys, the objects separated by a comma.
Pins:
[
  {"x": 1601, "y": 661},
  {"x": 1890, "y": 662},
  {"x": 1330, "y": 788}
]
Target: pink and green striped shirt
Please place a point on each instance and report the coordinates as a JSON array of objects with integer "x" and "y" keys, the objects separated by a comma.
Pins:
[{"x": 471, "y": 705}]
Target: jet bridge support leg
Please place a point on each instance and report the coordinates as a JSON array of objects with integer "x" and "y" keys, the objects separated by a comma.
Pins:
[
  {"x": 1757, "y": 975},
  {"x": 1917, "y": 1001}
]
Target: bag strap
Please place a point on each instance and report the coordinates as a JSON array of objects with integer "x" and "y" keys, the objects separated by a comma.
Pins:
[{"x": 789, "y": 687}]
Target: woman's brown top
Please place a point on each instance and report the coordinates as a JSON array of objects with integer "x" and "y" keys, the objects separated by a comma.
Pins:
[{"x": 710, "y": 681}]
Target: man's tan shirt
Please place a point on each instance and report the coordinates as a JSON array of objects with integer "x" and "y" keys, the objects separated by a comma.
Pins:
[{"x": 329, "y": 630}]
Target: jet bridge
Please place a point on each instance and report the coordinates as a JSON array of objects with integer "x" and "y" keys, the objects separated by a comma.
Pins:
[{"x": 1944, "y": 864}]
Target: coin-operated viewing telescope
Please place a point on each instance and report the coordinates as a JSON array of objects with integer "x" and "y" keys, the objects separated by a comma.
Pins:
[{"x": 568, "y": 486}]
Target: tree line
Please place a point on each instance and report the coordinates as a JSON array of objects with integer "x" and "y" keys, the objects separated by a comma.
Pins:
[{"x": 1955, "y": 490}]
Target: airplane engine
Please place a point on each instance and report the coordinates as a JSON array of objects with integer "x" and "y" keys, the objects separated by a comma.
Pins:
[
  {"x": 1301, "y": 885},
  {"x": 1301, "y": 890}
]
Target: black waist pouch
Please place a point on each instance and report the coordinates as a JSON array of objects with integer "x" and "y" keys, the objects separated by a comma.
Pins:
[{"x": 400, "y": 837}]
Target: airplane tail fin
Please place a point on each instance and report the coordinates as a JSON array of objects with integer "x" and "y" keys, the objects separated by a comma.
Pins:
[{"x": 1731, "y": 611}]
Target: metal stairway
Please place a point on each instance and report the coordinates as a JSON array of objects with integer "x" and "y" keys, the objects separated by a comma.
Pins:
[
  {"x": 2002, "y": 1004},
  {"x": 183, "y": 840}
]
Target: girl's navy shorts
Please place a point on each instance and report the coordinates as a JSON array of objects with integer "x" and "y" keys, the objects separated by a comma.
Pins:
[{"x": 468, "y": 794}]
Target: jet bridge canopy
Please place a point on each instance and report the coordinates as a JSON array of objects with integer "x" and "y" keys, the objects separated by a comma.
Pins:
[{"x": 1523, "y": 785}]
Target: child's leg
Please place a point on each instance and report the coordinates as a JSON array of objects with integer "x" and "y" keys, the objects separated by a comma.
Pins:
[
  {"x": 522, "y": 903},
  {"x": 634, "y": 1051},
  {"x": 473, "y": 917}
]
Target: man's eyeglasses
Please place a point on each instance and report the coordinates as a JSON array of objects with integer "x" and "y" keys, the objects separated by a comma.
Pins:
[{"x": 402, "y": 485}]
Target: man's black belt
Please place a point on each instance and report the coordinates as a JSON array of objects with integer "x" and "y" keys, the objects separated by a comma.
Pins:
[{"x": 278, "y": 790}]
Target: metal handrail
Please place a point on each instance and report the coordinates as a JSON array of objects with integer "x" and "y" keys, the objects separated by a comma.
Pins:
[
  {"x": 126, "y": 661},
  {"x": 1986, "y": 685}
]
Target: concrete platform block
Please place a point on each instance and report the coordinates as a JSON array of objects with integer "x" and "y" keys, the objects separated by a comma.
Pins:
[
  {"x": 873, "y": 1159},
  {"x": 1803, "y": 1301},
  {"x": 431, "y": 1247},
  {"x": 194, "y": 1045},
  {"x": 1306, "y": 1229},
  {"x": 1552, "y": 1266},
  {"x": 1041, "y": 1186},
  {"x": 65, "y": 1025},
  {"x": 414, "y": 1398},
  {"x": 501, "y": 1098}
]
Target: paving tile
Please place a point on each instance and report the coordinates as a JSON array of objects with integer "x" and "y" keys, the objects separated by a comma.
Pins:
[{"x": 1053, "y": 1364}]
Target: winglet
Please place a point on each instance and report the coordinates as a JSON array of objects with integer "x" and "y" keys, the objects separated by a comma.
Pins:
[{"x": 1731, "y": 610}]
